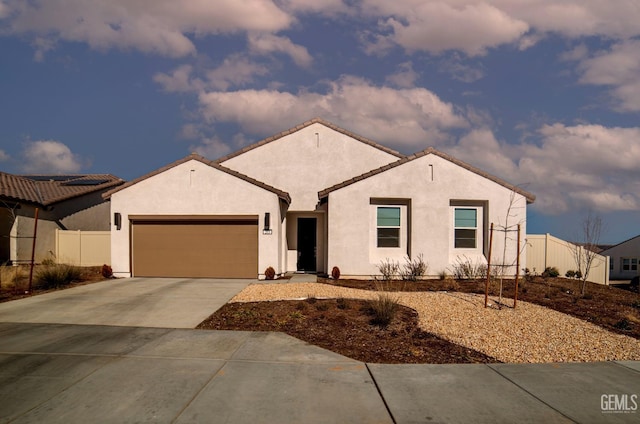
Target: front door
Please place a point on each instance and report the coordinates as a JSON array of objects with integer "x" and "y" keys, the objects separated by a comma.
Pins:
[{"x": 307, "y": 244}]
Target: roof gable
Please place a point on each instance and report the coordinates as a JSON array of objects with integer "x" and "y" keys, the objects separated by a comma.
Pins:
[
  {"x": 429, "y": 151},
  {"x": 603, "y": 252},
  {"x": 304, "y": 125},
  {"x": 46, "y": 190},
  {"x": 281, "y": 194}
]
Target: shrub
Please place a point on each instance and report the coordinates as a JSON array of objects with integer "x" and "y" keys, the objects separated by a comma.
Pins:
[
  {"x": 335, "y": 273},
  {"x": 106, "y": 271},
  {"x": 57, "y": 275},
  {"x": 550, "y": 272},
  {"x": 624, "y": 324},
  {"x": 383, "y": 308},
  {"x": 342, "y": 303},
  {"x": 578, "y": 274},
  {"x": 414, "y": 269},
  {"x": 270, "y": 273},
  {"x": 570, "y": 274},
  {"x": 465, "y": 269},
  {"x": 48, "y": 262},
  {"x": 388, "y": 269}
]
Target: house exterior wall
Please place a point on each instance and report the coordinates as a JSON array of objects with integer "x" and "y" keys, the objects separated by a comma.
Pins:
[
  {"x": 194, "y": 188},
  {"x": 629, "y": 249},
  {"x": 429, "y": 187},
  {"x": 22, "y": 238},
  {"x": 307, "y": 161},
  {"x": 91, "y": 218}
]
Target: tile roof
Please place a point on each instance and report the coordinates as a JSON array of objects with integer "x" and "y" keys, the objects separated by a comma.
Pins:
[
  {"x": 46, "y": 190},
  {"x": 304, "y": 125},
  {"x": 429, "y": 151},
  {"x": 281, "y": 194}
]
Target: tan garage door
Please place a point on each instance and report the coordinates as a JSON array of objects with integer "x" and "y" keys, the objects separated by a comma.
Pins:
[{"x": 221, "y": 248}]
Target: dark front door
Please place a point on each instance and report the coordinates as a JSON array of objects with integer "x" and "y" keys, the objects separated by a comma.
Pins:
[{"x": 307, "y": 244}]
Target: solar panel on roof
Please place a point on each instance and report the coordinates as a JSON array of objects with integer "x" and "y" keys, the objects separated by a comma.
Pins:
[
  {"x": 51, "y": 177},
  {"x": 87, "y": 182}
]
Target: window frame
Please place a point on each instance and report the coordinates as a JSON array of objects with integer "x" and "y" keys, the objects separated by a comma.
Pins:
[
  {"x": 632, "y": 264},
  {"x": 398, "y": 227},
  {"x": 476, "y": 229}
]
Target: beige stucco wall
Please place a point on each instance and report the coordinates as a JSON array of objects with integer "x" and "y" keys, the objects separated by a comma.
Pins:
[
  {"x": 427, "y": 185},
  {"x": 627, "y": 249},
  {"x": 307, "y": 161},
  {"x": 193, "y": 188}
]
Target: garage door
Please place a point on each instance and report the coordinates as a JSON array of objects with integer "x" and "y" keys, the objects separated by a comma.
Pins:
[{"x": 213, "y": 248}]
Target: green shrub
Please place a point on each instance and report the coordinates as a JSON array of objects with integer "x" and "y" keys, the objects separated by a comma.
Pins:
[
  {"x": 57, "y": 276},
  {"x": 550, "y": 272},
  {"x": 383, "y": 309},
  {"x": 570, "y": 274}
]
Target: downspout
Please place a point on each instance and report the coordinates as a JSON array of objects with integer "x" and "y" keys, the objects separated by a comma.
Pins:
[{"x": 33, "y": 249}]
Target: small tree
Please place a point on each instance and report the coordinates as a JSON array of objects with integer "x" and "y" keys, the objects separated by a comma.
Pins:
[{"x": 585, "y": 252}]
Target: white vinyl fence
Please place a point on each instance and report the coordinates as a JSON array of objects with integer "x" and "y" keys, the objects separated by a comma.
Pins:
[
  {"x": 83, "y": 248},
  {"x": 545, "y": 250}
]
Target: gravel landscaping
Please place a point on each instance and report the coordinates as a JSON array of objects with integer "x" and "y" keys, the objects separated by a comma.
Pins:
[{"x": 528, "y": 334}]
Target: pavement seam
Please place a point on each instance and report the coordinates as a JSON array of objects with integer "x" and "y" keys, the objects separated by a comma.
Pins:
[
  {"x": 624, "y": 366},
  {"x": 384, "y": 401},
  {"x": 195, "y": 396},
  {"x": 531, "y": 394}
]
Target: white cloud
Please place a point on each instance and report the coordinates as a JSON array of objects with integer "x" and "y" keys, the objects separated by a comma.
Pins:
[
  {"x": 159, "y": 26},
  {"x": 4, "y": 156},
  {"x": 619, "y": 68},
  {"x": 211, "y": 148},
  {"x": 458, "y": 70},
  {"x": 50, "y": 156},
  {"x": 179, "y": 80},
  {"x": 436, "y": 26},
  {"x": 404, "y": 77},
  {"x": 269, "y": 43},
  {"x": 409, "y": 117}
]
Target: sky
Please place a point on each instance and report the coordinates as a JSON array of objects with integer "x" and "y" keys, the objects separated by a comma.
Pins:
[{"x": 542, "y": 93}]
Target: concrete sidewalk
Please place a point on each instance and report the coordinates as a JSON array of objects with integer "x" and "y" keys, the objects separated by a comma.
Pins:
[{"x": 78, "y": 374}]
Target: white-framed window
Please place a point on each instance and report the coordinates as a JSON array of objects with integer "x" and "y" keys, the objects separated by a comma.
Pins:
[
  {"x": 388, "y": 224},
  {"x": 465, "y": 227},
  {"x": 629, "y": 264}
]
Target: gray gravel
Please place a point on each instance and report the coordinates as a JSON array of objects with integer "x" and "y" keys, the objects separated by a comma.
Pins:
[{"x": 528, "y": 334}]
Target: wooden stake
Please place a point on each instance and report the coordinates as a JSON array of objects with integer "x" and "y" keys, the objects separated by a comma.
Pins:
[
  {"x": 486, "y": 286},
  {"x": 515, "y": 296},
  {"x": 33, "y": 249}
]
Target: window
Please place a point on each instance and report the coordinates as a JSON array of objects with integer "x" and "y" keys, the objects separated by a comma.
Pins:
[
  {"x": 629, "y": 264},
  {"x": 465, "y": 228},
  {"x": 388, "y": 226}
]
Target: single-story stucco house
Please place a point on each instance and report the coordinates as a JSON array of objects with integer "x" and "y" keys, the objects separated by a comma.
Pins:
[
  {"x": 624, "y": 259},
  {"x": 308, "y": 199},
  {"x": 66, "y": 202}
]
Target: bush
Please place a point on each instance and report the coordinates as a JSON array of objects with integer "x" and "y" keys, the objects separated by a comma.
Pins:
[
  {"x": 383, "y": 309},
  {"x": 570, "y": 274},
  {"x": 270, "y": 273},
  {"x": 465, "y": 269},
  {"x": 388, "y": 269},
  {"x": 48, "y": 262},
  {"x": 414, "y": 269},
  {"x": 106, "y": 271},
  {"x": 335, "y": 273},
  {"x": 550, "y": 272},
  {"x": 57, "y": 276},
  {"x": 578, "y": 274}
]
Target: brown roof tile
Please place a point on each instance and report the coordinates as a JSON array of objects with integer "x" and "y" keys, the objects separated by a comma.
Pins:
[
  {"x": 530, "y": 197},
  {"x": 46, "y": 190},
  {"x": 304, "y": 125},
  {"x": 281, "y": 194}
]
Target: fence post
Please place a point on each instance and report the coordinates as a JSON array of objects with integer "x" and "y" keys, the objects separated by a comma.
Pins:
[{"x": 486, "y": 285}]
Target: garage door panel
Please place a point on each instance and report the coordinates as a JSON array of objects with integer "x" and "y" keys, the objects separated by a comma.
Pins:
[{"x": 224, "y": 249}]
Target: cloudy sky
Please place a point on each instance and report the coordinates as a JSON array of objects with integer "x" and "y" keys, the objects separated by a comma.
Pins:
[{"x": 543, "y": 93}]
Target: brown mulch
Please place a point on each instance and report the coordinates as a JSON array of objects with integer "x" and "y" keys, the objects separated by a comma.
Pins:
[
  {"x": 344, "y": 326},
  {"x": 612, "y": 308}
]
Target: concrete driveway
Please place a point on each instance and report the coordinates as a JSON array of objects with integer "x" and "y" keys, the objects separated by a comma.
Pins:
[{"x": 134, "y": 302}]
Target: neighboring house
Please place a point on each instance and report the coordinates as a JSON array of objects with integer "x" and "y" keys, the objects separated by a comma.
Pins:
[
  {"x": 67, "y": 202},
  {"x": 310, "y": 198},
  {"x": 624, "y": 259}
]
